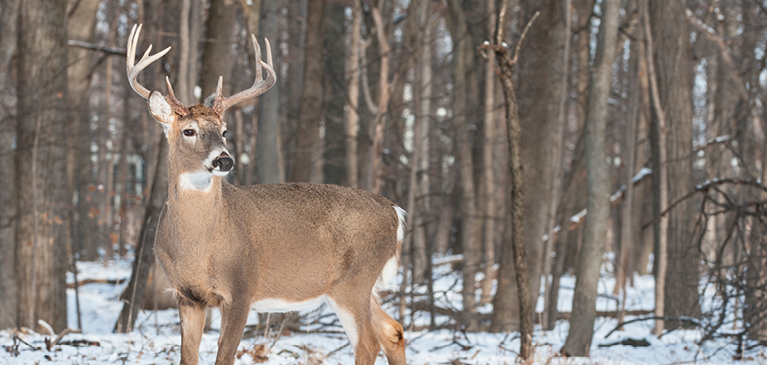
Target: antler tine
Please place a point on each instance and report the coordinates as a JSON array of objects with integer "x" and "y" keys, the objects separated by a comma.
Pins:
[
  {"x": 177, "y": 106},
  {"x": 133, "y": 69},
  {"x": 260, "y": 85}
]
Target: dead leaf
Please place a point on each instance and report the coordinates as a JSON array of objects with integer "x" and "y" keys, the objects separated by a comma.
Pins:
[{"x": 257, "y": 353}]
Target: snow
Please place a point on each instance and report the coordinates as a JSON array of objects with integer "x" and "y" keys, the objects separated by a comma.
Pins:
[
  {"x": 642, "y": 173},
  {"x": 156, "y": 339}
]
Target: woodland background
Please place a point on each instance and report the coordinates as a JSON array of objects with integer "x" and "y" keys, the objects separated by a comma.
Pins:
[{"x": 637, "y": 132}]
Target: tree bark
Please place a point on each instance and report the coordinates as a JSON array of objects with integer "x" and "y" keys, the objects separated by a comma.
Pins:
[
  {"x": 217, "y": 58},
  {"x": 271, "y": 168},
  {"x": 8, "y": 292},
  {"x": 353, "y": 91},
  {"x": 541, "y": 63},
  {"x": 84, "y": 231},
  {"x": 674, "y": 80},
  {"x": 41, "y": 240},
  {"x": 471, "y": 230},
  {"x": 383, "y": 99},
  {"x": 595, "y": 231},
  {"x": 486, "y": 284},
  {"x": 513, "y": 260},
  {"x": 185, "y": 92},
  {"x": 308, "y": 133}
]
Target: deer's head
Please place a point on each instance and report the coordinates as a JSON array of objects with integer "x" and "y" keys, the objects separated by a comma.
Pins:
[{"x": 196, "y": 134}]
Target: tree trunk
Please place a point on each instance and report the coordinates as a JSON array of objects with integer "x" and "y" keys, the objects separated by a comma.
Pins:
[
  {"x": 595, "y": 231},
  {"x": 353, "y": 91},
  {"x": 541, "y": 63},
  {"x": 41, "y": 240},
  {"x": 8, "y": 293},
  {"x": 185, "y": 92},
  {"x": 134, "y": 292},
  {"x": 471, "y": 230},
  {"x": 513, "y": 260},
  {"x": 269, "y": 146},
  {"x": 308, "y": 132},
  {"x": 674, "y": 79},
  {"x": 195, "y": 33},
  {"x": 627, "y": 234},
  {"x": 486, "y": 284},
  {"x": 217, "y": 58},
  {"x": 84, "y": 231},
  {"x": 377, "y": 178}
]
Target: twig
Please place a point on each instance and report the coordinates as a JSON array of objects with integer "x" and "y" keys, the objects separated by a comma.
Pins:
[
  {"x": 279, "y": 333},
  {"x": 17, "y": 338},
  {"x": 336, "y": 350}
]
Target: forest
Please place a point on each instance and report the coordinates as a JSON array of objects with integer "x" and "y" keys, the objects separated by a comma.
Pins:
[{"x": 582, "y": 178}]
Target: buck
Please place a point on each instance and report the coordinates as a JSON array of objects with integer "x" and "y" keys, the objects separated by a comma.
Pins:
[{"x": 273, "y": 248}]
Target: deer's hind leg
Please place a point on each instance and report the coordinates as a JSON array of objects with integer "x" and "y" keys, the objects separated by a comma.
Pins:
[
  {"x": 388, "y": 332},
  {"x": 353, "y": 310}
]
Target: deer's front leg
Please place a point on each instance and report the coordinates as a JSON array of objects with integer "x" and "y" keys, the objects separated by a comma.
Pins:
[
  {"x": 192, "y": 315},
  {"x": 234, "y": 316}
]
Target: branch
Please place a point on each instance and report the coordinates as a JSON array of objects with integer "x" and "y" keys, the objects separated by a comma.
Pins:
[
  {"x": 718, "y": 41},
  {"x": 98, "y": 47},
  {"x": 704, "y": 188},
  {"x": 522, "y": 37}
]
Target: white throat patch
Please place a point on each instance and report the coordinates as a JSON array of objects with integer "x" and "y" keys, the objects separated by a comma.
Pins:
[{"x": 199, "y": 180}]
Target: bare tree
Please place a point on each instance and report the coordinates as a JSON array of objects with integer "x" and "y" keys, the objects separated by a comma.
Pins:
[
  {"x": 84, "y": 231},
  {"x": 540, "y": 61},
  {"x": 271, "y": 167},
  {"x": 8, "y": 289},
  {"x": 308, "y": 133},
  {"x": 384, "y": 94},
  {"x": 217, "y": 58},
  {"x": 673, "y": 76},
  {"x": 590, "y": 256},
  {"x": 471, "y": 230},
  {"x": 353, "y": 91},
  {"x": 40, "y": 164},
  {"x": 513, "y": 258}
]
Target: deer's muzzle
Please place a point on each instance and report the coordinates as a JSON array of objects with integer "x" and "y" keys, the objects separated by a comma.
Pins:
[{"x": 223, "y": 162}]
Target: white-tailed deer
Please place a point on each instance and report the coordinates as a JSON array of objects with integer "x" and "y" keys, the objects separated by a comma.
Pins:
[{"x": 274, "y": 248}]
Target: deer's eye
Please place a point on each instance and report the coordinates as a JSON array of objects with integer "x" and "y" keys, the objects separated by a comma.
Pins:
[
  {"x": 225, "y": 134},
  {"x": 189, "y": 132}
]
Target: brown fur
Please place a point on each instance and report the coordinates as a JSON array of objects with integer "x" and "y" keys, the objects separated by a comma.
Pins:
[{"x": 235, "y": 245}]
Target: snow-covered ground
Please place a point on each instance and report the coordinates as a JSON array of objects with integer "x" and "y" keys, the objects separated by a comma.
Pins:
[{"x": 156, "y": 339}]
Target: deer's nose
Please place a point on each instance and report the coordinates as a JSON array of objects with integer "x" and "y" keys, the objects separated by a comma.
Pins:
[{"x": 224, "y": 162}]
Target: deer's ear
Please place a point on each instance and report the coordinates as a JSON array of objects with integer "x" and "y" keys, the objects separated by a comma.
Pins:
[{"x": 160, "y": 109}]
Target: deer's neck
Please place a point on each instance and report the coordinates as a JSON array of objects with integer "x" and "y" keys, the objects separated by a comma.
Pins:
[{"x": 195, "y": 197}]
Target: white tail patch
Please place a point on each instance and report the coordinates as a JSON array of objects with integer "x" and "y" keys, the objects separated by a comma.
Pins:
[
  {"x": 401, "y": 214},
  {"x": 387, "y": 274}
]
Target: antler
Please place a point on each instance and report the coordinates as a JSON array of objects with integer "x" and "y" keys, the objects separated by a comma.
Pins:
[
  {"x": 260, "y": 86},
  {"x": 133, "y": 69}
]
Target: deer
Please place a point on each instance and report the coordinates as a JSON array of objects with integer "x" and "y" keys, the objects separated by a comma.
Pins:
[{"x": 272, "y": 247}]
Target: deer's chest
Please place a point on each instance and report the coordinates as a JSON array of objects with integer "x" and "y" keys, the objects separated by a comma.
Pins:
[{"x": 186, "y": 259}]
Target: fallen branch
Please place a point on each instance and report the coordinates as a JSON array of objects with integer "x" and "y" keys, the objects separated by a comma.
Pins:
[
  {"x": 49, "y": 344},
  {"x": 96, "y": 281},
  {"x": 688, "y": 320}
]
